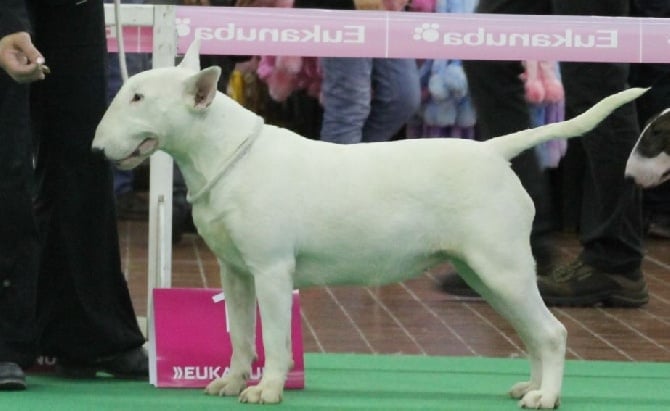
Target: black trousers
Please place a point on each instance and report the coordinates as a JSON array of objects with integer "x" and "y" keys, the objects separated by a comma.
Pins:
[
  {"x": 610, "y": 219},
  {"x": 63, "y": 292}
]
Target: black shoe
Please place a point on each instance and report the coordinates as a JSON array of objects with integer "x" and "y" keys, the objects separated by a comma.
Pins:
[
  {"x": 133, "y": 364},
  {"x": 452, "y": 283},
  {"x": 12, "y": 377},
  {"x": 578, "y": 284},
  {"x": 659, "y": 226}
]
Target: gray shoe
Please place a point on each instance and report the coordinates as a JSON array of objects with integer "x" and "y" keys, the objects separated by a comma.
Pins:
[
  {"x": 578, "y": 284},
  {"x": 12, "y": 377}
]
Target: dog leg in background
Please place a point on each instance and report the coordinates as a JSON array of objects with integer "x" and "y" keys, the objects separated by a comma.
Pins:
[{"x": 240, "y": 294}]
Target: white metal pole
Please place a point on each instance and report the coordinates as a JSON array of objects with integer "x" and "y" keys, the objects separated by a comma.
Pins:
[{"x": 161, "y": 165}]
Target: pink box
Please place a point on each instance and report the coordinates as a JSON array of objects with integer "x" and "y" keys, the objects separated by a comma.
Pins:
[{"x": 190, "y": 345}]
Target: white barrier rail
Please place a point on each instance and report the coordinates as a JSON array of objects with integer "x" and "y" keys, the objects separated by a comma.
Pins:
[{"x": 281, "y": 31}]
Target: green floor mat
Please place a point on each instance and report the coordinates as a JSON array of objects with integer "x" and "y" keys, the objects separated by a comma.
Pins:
[{"x": 375, "y": 382}]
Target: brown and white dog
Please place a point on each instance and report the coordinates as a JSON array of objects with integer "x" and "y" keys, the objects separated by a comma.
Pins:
[
  {"x": 283, "y": 211},
  {"x": 649, "y": 162}
]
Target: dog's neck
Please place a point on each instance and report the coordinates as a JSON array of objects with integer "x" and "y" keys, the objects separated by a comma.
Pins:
[
  {"x": 238, "y": 153},
  {"x": 224, "y": 135}
]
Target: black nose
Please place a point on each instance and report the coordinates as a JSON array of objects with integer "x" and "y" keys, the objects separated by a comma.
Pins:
[{"x": 629, "y": 179}]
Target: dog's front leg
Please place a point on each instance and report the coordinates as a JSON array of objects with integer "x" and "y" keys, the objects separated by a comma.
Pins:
[
  {"x": 241, "y": 307},
  {"x": 274, "y": 289}
]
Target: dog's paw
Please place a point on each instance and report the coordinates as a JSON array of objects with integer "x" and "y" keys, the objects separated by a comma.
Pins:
[
  {"x": 520, "y": 389},
  {"x": 262, "y": 394},
  {"x": 226, "y": 386},
  {"x": 536, "y": 399}
]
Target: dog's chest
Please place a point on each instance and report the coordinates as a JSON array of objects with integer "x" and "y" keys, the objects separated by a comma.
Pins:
[{"x": 219, "y": 240}]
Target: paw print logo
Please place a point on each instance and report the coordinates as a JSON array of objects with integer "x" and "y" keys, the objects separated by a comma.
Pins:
[
  {"x": 183, "y": 27},
  {"x": 427, "y": 32}
]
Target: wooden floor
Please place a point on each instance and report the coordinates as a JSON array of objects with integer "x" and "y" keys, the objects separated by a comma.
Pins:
[{"x": 415, "y": 318}]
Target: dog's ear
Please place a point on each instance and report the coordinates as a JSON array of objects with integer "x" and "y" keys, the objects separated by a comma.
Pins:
[
  {"x": 191, "y": 59},
  {"x": 201, "y": 88}
]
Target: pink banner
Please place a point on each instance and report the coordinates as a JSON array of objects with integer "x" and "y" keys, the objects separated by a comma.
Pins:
[
  {"x": 280, "y": 31},
  {"x": 136, "y": 39},
  {"x": 191, "y": 344}
]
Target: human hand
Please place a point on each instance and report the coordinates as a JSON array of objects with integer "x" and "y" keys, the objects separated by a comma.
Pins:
[{"x": 20, "y": 59}]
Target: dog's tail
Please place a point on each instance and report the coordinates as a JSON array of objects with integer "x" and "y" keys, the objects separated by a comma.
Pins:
[{"x": 509, "y": 146}]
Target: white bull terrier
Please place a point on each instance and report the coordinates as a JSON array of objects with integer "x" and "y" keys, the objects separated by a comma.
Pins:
[
  {"x": 649, "y": 162},
  {"x": 283, "y": 211}
]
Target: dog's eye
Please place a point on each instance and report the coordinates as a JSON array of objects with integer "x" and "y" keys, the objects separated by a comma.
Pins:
[{"x": 137, "y": 97}]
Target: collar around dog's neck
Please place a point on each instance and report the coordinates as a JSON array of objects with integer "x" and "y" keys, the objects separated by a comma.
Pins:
[{"x": 238, "y": 153}]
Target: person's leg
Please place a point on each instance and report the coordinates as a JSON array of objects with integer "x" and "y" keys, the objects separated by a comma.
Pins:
[
  {"x": 19, "y": 242},
  {"x": 610, "y": 223},
  {"x": 396, "y": 96},
  {"x": 84, "y": 303},
  {"x": 608, "y": 268},
  {"x": 611, "y": 214},
  {"x": 499, "y": 100},
  {"x": 498, "y": 97},
  {"x": 501, "y": 108},
  {"x": 346, "y": 90}
]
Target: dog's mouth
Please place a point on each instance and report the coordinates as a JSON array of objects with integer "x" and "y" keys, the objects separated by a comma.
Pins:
[{"x": 143, "y": 150}]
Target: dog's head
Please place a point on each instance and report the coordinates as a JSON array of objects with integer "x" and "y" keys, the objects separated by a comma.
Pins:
[
  {"x": 649, "y": 162},
  {"x": 153, "y": 107}
]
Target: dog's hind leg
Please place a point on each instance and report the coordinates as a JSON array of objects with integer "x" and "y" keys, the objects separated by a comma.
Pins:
[
  {"x": 274, "y": 288},
  {"x": 509, "y": 285},
  {"x": 545, "y": 340},
  {"x": 240, "y": 297}
]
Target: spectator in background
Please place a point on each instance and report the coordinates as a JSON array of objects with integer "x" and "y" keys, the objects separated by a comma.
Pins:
[
  {"x": 608, "y": 268},
  {"x": 365, "y": 99}
]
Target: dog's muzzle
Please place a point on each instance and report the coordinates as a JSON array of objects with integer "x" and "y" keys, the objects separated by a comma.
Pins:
[{"x": 147, "y": 147}]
